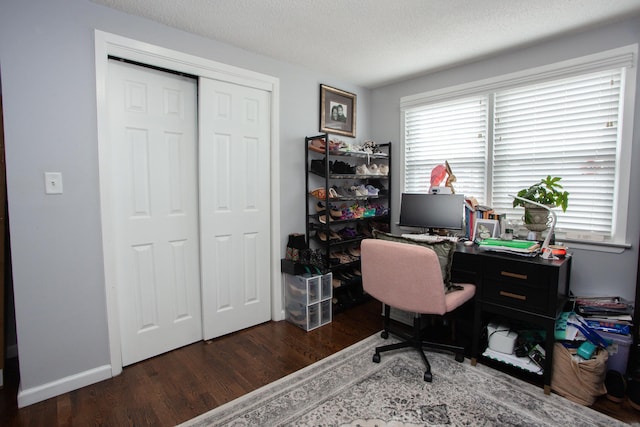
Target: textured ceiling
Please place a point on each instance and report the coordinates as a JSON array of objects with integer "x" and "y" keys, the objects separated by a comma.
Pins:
[{"x": 375, "y": 42}]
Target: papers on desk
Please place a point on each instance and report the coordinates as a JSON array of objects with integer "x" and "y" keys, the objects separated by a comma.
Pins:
[
  {"x": 517, "y": 247},
  {"x": 430, "y": 238}
]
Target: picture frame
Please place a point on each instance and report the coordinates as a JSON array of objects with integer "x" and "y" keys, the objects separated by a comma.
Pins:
[
  {"x": 485, "y": 228},
  {"x": 337, "y": 111}
]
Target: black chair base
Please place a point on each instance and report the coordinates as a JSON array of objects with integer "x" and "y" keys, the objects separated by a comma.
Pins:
[{"x": 415, "y": 341}]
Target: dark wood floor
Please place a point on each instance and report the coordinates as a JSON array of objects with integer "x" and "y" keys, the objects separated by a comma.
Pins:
[{"x": 174, "y": 387}]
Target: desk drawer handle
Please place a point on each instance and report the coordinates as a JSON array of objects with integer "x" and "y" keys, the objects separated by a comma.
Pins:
[
  {"x": 514, "y": 275},
  {"x": 516, "y": 296}
]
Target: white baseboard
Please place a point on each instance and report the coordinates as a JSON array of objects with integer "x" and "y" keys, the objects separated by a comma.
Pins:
[{"x": 63, "y": 385}]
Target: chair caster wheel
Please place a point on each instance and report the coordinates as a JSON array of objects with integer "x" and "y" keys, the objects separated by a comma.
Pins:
[
  {"x": 460, "y": 358},
  {"x": 428, "y": 377},
  {"x": 384, "y": 335},
  {"x": 376, "y": 358}
]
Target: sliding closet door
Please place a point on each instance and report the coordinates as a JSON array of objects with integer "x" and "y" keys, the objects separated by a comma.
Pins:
[
  {"x": 235, "y": 206},
  {"x": 153, "y": 137}
]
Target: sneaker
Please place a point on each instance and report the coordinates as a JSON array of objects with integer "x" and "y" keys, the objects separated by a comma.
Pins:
[
  {"x": 374, "y": 169},
  {"x": 616, "y": 386},
  {"x": 362, "y": 170}
]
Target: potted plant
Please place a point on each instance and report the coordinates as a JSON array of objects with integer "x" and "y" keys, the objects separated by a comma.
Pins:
[{"x": 548, "y": 191}]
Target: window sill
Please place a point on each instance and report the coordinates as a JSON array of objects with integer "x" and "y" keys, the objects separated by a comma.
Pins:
[
  {"x": 609, "y": 247},
  {"x": 598, "y": 244}
]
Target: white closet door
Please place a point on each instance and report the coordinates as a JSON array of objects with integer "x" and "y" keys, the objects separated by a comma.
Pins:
[
  {"x": 235, "y": 206},
  {"x": 153, "y": 122}
]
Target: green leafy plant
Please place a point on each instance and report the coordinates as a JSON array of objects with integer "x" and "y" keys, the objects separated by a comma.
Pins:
[{"x": 548, "y": 192}]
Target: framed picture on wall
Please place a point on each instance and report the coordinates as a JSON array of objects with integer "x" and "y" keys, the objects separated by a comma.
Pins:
[
  {"x": 485, "y": 228},
  {"x": 337, "y": 111}
]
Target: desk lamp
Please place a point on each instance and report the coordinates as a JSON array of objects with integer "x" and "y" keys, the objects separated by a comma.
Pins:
[{"x": 546, "y": 252}]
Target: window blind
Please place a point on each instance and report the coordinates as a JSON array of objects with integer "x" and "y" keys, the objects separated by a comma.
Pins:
[
  {"x": 455, "y": 131},
  {"x": 567, "y": 128},
  {"x": 509, "y": 138}
]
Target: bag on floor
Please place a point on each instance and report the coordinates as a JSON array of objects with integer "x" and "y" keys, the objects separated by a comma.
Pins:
[{"x": 579, "y": 381}]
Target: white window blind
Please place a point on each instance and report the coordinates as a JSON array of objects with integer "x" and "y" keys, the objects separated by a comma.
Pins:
[
  {"x": 500, "y": 135},
  {"x": 455, "y": 131},
  {"x": 566, "y": 128}
]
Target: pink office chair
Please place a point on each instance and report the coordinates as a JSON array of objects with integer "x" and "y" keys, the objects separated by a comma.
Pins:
[{"x": 408, "y": 277}]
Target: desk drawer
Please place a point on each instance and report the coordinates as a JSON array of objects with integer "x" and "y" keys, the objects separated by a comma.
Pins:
[
  {"x": 523, "y": 273},
  {"x": 522, "y": 295}
]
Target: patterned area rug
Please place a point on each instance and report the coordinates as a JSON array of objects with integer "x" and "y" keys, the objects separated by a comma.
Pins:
[{"x": 348, "y": 389}]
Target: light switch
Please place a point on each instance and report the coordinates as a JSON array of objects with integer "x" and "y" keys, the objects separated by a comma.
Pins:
[{"x": 53, "y": 183}]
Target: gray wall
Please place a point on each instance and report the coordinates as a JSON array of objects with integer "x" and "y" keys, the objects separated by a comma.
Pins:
[
  {"x": 594, "y": 272},
  {"x": 48, "y": 86}
]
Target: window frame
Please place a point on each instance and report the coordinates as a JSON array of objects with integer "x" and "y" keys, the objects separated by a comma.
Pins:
[{"x": 625, "y": 56}]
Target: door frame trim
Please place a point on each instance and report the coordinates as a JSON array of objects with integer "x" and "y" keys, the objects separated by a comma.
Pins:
[{"x": 111, "y": 44}]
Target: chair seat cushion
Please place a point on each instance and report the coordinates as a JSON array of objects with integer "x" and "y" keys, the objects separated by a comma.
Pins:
[
  {"x": 464, "y": 293},
  {"x": 444, "y": 249}
]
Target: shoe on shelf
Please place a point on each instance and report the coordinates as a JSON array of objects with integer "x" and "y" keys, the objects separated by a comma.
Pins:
[
  {"x": 362, "y": 170},
  {"x": 318, "y": 145},
  {"x": 360, "y": 190},
  {"x": 348, "y": 233},
  {"x": 318, "y": 166},
  {"x": 339, "y": 256},
  {"x": 373, "y": 191},
  {"x": 346, "y": 214},
  {"x": 323, "y": 219},
  {"x": 337, "y": 145},
  {"x": 616, "y": 386},
  {"x": 334, "y": 212},
  {"x": 373, "y": 169},
  {"x": 354, "y": 252},
  {"x": 319, "y": 193},
  {"x": 343, "y": 168},
  {"x": 333, "y": 194},
  {"x": 334, "y": 236}
]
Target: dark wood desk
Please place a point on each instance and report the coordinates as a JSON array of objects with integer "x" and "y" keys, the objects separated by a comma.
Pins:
[{"x": 531, "y": 290}]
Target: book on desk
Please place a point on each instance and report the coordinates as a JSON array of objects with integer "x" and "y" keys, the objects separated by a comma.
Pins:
[{"x": 517, "y": 247}]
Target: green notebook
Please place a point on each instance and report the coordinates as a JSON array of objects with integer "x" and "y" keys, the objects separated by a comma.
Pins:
[{"x": 516, "y": 244}]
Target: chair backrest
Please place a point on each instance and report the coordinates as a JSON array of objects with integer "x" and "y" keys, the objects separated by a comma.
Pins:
[{"x": 404, "y": 276}]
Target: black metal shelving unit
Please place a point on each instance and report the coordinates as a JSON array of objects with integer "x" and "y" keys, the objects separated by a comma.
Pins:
[{"x": 322, "y": 171}]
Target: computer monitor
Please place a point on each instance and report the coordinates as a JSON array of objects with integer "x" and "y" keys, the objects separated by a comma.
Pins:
[{"x": 432, "y": 211}]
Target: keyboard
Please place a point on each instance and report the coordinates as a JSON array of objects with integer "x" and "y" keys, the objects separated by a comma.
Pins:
[{"x": 430, "y": 238}]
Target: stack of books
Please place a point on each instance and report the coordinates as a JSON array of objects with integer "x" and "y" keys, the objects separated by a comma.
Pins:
[
  {"x": 474, "y": 211},
  {"x": 611, "y": 318},
  {"x": 518, "y": 247},
  {"x": 606, "y": 314}
]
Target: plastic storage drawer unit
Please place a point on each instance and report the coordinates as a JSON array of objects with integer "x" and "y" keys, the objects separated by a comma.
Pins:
[{"x": 308, "y": 300}]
